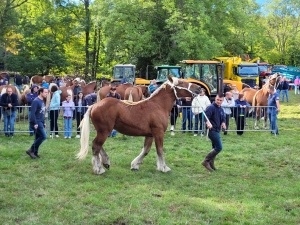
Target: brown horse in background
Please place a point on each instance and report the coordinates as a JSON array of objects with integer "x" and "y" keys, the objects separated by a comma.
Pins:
[
  {"x": 133, "y": 94},
  {"x": 36, "y": 79},
  {"x": 260, "y": 98},
  {"x": 26, "y": 90},
  {"x": 89, "y": 88},
  {"x": 3, "y": 75},
  {"x": 136, "y": 93},
  {"x": 148, "y": 118}
]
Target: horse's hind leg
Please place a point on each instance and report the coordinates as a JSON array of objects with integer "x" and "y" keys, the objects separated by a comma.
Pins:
[
  {"x": 96, "y": 160},
  {"x": 139, "y": 159},
  {"x": 104, "y": 158}
]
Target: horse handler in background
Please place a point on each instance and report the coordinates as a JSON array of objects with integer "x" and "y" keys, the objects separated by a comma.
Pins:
[
  {"x": 215, "y": 119},
  {"x": 37, "y": 122}
]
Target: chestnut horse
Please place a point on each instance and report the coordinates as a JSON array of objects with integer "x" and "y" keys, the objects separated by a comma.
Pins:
[
  {"x": 89, "y": 88},
  {"x": 136, "y": 93},
  {"x": 260, "y": 98},
  {"x": 36, "y": 79},
  {"x": 3, "y": 75},
  {"x": 120, "y": 89},
  {"x": 26, "y": 90},
  {"x": 148, "y": 118}
]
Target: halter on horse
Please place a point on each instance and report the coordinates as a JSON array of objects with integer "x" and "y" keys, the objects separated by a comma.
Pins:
[{"x": 148, "y": 118}]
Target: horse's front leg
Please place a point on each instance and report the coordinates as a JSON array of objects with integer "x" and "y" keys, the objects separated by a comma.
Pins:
[
  {"x": 139, "y": 159},
  {"x": 96, "y": 160},
  {"x": 161, "y": 164},
  {"x": 265, "y": 119}
]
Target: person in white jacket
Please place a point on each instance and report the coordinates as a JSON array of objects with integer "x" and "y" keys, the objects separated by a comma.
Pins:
[
  {"x": 227, "y": 104},
  {"x": 199, "y": 104}
]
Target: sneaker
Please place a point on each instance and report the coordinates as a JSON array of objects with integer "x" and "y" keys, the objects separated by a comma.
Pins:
[
  {"x": 77, "y": 136},
  {"x": 202, "y": 134},
  {"x": 195, "y": 135},
  {"x": 57, "y": 135},
  {"x": 66, "y": 137},
  {"x": 69, "y": 137},
  {"x": 51, "y": 136}
]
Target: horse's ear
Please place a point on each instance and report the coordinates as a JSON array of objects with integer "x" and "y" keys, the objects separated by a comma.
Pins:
[{"x": 170, "y": 78}]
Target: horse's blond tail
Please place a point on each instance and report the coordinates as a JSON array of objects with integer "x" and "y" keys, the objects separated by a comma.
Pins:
[
  {"x": 98, "y": 95},
  {"x": 31, "y": 82},
  {"x": 254, "y": 98},
  {"x": 130, "y": 98},
  {"x": 85, "y": 134}
]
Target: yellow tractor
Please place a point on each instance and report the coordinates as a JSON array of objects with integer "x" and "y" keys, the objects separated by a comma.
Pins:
[
  {"x": 206, "y": 73},
  {"x": 240, "y": 72}
]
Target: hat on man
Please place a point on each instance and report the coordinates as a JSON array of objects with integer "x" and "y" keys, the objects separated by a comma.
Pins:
[{"x": 77, "y": 79}]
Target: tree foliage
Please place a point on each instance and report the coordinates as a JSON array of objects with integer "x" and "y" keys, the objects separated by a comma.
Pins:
[{"x": 89, "y": 37}]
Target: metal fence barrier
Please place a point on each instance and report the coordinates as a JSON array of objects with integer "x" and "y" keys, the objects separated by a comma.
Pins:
[{"x": 183, "y": 121}]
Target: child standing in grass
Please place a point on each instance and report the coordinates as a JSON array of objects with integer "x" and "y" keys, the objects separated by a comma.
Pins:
[{"x": 68, "y": 108}]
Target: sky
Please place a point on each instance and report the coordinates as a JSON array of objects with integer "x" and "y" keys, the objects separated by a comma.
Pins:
[{"x": 260, "y": 1}]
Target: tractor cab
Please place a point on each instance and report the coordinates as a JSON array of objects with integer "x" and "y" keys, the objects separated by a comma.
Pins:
[
  {"x": 164, "y": 70},
  {"x": 123, "y": 73}
]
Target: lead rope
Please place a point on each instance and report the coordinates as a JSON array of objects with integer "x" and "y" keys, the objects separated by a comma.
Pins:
[{"x": 207, "y": 130}]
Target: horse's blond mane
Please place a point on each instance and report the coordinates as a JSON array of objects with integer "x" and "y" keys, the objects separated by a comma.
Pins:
[
  {"x": 163, "y": 86},
  {"x": 3, "y": 91}
]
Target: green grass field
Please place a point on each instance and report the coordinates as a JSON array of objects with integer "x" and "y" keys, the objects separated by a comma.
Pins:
[{"x": 257, "y": 181}]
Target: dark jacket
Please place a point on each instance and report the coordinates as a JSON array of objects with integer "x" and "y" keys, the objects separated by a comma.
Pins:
[
  {"x": 37, "y": 111},
  {"x": 18, "y": 79},
  {"x": 5, "y": 100},
  {"x": 83, "y": 107},
  {"x": 184, "y": 102},
  {"x": 241, "y": 111},
  {"x": 117, "y": 96},
  {"x": 216, "y": 116},
  {"x": 31, "y": 96},
  {"x": 90, "y": 99},
  {"x": 285, "y": 85},
  {"x": 76, "y": 90}
]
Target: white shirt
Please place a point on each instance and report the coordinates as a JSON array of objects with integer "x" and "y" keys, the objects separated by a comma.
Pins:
[
  {"x": 226, "y": 105},
  {"x": 200, "y": 103}
]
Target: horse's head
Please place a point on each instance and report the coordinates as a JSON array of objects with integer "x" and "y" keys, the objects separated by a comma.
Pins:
[
  {"x": 182, "y": 88},
  {"x": 274, "y": 80},
  {"x": 145, "y": 90}
]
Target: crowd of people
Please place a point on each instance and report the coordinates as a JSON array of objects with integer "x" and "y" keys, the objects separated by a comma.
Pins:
[{"x": 197, "y": 113}]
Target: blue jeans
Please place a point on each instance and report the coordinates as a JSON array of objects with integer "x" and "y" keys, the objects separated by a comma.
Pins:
[
  {"x": 187, "y": 114},
  {"x": 40, "y": 136},
  {"x": 31, "y": 130},
  {"x": 273, "y": 121},
  {"x": 68, "y": 127},
  {"x": 198, "y": 119},
  {"x": 113, "y": 133},
  {"x": 286, "y": 94},
  {"x": 9, "y": 121},
  {"x": 215, "y": 138}
]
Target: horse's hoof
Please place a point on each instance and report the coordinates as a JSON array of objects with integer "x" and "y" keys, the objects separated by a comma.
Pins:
[
  {"x": 134, "y": 170},
  {"x": 106, "y": 166}
]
